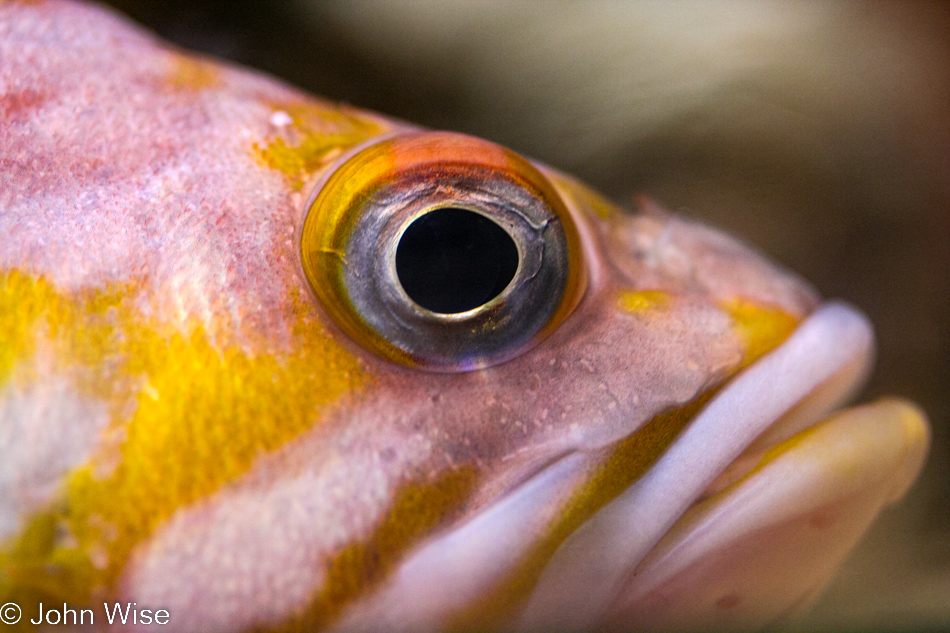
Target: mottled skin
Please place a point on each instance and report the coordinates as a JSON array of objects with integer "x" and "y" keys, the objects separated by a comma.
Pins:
[{"x": 246, "y": 464}]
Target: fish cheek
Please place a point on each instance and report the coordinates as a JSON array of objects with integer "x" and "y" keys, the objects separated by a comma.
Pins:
[{"x": 201, "y": 414}]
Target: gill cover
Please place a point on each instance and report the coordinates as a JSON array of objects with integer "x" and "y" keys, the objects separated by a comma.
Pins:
[{"x": 441, "y": 251}]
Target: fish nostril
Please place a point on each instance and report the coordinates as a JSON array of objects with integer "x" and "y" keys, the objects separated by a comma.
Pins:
[{"x": 451, "y": 260}]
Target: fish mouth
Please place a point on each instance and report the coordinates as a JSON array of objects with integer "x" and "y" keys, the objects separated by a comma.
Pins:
[
  {"x": 569, "y": 575},
  {"x": 797, "y": 389},
  {"x": 825, "y": 364},
  {"x": 816, "y": 371}
]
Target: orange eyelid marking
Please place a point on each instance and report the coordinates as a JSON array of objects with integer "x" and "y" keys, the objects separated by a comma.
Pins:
[
  {"x": 424, "y": 148},
  {"x": 413, "y": 157}
]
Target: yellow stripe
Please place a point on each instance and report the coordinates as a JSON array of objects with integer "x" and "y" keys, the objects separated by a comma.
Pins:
[
  {"x": 625, "y": 463},
  {"x": 417, "y": 510}
]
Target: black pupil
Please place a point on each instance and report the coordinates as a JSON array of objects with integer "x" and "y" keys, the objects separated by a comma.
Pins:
[{"x": 452, "y": 260}]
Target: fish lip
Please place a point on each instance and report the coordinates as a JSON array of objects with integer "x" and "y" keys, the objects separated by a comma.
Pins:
[
  {"x": 832, "y": 346},
  {"x": 818, "y": 368},
  {"x": 846, "y": 373},
  {"x": 824, "y": 362}
]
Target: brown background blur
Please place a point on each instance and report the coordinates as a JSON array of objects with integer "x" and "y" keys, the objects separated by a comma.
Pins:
[{"x": 819, "y": 132}]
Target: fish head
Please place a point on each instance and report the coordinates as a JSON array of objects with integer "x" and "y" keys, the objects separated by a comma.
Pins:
[{"x": 247, "y": 379}]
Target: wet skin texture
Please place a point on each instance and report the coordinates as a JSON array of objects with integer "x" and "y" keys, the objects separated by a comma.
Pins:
[{"x": 184, "y": 423}]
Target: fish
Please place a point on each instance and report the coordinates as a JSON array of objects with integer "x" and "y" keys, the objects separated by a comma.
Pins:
[{"x": 274, "y": 363}]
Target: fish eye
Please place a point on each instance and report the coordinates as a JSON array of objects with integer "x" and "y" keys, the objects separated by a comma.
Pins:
[
  {"x": 451, "y": 260},
  {"x": 441, "y": 251}
]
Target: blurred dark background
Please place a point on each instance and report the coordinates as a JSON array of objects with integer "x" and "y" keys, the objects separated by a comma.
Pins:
[{"x": 819, "y": 132}]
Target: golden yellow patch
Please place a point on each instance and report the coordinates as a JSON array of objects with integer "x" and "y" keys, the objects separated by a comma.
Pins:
[
  {"x": 189, "y": 73},
  {"x": 17, "y": 317},
  {"x": 643, "y": 302},
  {"x": 759, "y": 328},
  {"x": 189, "y": 417},
  {"x": 317, "y": 133},
  {"x": 32, "y": 310}
]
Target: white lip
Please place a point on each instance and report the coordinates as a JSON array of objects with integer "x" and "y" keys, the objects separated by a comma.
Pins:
[{"x": 827, "y": 356}]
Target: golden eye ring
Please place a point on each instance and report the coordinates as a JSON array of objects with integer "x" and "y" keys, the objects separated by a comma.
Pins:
[{"x": 441, "y": 251}]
